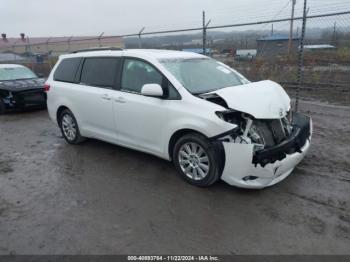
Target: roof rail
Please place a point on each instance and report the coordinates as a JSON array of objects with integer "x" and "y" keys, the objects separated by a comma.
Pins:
[{"x": 97, "y": 49}]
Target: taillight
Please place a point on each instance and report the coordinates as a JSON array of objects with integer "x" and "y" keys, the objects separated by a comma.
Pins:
[{"x": 46, "y": 87}]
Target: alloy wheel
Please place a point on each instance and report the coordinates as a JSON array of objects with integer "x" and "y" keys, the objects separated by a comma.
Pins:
[
  {"x": 69, "y": 127},
  {"x": 194, "y": 161}
]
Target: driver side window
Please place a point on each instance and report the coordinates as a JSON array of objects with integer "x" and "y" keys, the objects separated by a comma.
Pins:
[{"x": 137, "y": 73}]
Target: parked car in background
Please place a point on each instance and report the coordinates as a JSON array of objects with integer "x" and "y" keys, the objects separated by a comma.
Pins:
[
  {"x": 20, "y": 87},
  {"x": 188, "y": 108}
]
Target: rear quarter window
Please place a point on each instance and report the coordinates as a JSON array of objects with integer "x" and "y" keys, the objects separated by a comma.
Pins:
[
  {"x": 100, "y": 71},
  {"x": 67, "y": 70}
]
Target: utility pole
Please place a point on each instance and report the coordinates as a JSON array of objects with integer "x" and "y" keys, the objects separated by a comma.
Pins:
[
  {"x": 48, "y": 52},
  {"x": 29, "y": 52},
  {"x": 204, "y": 35},
  {"x": 47, "y": 45},
  {"x": 301, "y": 58},
  {"x": 140, "y": 33},
  {"x": 205, "y": 25},
  {"x": 99, "y": 39},
  {"x": 27, "y": 46},
  {"x": 14, "y": 50},
  {"x": 271, "y": 29},
  {"x": 291, "y": 27},
  {"x": 334, "y": 40},
  {"x": 68, "y": 43}
]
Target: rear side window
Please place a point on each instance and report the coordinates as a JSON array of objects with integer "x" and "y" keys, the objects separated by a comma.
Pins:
[
  {"x": 67, "y": 70},
  {"x": 100, "y": 71}
]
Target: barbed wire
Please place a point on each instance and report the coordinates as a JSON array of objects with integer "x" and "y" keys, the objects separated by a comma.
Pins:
[{"x": 162, "y": 32}]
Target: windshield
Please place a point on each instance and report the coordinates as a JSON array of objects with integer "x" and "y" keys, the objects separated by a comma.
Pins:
[
  {"x": 16, "y": 73},
  {"x": 202, "y": 75}
]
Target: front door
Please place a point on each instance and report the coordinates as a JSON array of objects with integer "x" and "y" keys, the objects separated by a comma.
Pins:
[{"x": 139, "y": 119}]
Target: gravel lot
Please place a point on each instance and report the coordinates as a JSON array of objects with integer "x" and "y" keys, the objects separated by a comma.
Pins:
[{"x": 98, "y": 198}]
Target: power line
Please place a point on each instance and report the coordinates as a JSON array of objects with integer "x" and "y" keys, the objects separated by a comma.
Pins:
[{"x": 280, "y": 20}]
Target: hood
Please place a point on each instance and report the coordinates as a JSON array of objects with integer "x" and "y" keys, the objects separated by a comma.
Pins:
[
  {"x": 22, "y": 85},
  {"x": 263, "y": 100}
]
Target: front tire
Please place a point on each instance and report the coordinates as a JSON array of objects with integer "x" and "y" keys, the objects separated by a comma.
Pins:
[
  {"x": 196, "y": 160},
  {"x": 69, "y": 128}
]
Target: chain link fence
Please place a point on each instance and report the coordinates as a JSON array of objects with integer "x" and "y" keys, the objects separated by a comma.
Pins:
[
  {"x": 326, "y": 57},
  {"x": 259, "y": 50}
]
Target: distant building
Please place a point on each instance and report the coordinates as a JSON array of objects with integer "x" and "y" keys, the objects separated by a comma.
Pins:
[
  {"x": 5, "y": 57},
  {"x": 208, "y": 51},
  {"x": 245, "y": 54},
  {"x": 275, "y": 45},
  {"x": 196, "y": 41},
  {"x": 321, "y": 47},
  {"x": 54, "y": 45}
]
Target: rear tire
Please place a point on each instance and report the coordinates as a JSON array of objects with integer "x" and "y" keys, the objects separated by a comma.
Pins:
[
  {"x": 196, "y": 160},
  {"x": 2, "y": 107},
  {"x": 69, "y": 128}
]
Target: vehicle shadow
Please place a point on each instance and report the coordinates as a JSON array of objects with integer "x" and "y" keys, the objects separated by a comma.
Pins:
[
  {"x": 150, "y": 165},
  {"x": 26, "y": 110}
]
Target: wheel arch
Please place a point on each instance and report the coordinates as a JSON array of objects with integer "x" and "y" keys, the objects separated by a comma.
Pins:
[
  {"x": 59, "y": 111},
  {"x": 181, "y": 132},
  {"x": 175, "y": 137}
]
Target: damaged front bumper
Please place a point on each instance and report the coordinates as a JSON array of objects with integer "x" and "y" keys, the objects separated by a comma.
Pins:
[
  {"x": 26, "y": 98},
  {"x": 248, "y": 169}
]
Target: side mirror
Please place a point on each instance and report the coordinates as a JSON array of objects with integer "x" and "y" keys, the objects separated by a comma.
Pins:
[{"x": 154, "y": 90}]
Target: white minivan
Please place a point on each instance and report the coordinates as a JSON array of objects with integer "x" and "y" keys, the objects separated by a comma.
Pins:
[{"x": 199, "y": 113}]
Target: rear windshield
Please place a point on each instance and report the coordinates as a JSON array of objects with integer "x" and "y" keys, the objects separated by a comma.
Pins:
[{"x": 16, "y": 73}]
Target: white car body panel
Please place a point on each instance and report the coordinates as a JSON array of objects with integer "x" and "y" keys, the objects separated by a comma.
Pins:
[
  {"x": 93, "y": 123},
  {"x": 135, "y": 122},
  {"x": 148, "y": 123},
  {"x": 138, "y": 128},
  {"x": 263, "y": 100},
  {"x": 239, "y": 165}
]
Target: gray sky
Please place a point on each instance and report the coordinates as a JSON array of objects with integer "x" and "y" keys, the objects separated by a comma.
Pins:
[{"x": 91, "y": 17}]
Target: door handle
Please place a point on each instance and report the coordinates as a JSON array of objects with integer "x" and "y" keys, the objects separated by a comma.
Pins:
[
  {"x": 120, "y": 99},
  {"x": 106, "y": 97}
]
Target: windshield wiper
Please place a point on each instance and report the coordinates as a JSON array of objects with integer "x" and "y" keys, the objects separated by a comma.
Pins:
[
  {"x": 204, "y": 92},
  {"x": 197, "y": 93},
  {"x": 24, "y": 78}
]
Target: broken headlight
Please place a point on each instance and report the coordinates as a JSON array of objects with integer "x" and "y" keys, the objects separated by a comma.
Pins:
[
  {"x": 262, "y": 133},
  {"x": 247, "y": 131},
  {"x": 230, "y": 116}
]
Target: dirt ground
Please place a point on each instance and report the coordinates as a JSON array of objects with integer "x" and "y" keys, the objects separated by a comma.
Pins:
[{"x": 98, "y": 198}]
